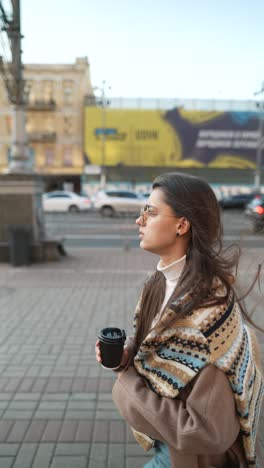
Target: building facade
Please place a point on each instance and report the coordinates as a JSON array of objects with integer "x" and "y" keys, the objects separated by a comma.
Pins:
[{"x": 54, "y": 120}]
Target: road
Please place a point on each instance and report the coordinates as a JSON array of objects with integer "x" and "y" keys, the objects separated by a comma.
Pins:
[{"x": 91, "y": 230}]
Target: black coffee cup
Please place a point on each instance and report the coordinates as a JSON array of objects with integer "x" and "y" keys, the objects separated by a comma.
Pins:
[{"x": 111, "y": 346}]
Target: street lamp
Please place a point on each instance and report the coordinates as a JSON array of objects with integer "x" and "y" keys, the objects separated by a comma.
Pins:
[
  {"x": 260, "y": 143},
  {"x": 12, "y": 73},
  {"x": 103, "y": 102}
]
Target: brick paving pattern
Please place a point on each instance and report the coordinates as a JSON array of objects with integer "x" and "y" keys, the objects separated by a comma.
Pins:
[{"x": 56, "y": 409}]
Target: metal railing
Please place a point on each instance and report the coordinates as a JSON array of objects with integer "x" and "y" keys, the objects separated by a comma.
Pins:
[{"x": 170, "y": 103}]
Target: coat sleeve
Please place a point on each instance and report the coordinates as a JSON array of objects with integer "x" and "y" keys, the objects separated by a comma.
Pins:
[
  {"x": 130, "y": 345},
  {"x": 203, "y": 422}
]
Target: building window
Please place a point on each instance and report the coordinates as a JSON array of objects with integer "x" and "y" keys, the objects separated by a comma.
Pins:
[
  {"x": 50, "y": 124},
  {"x": 68, "y": 87},
  {"x": 29, "y": 91},
  {"x": 3, "y": 94},
  {"x": 8, "y": 122},
  {"x": 49, "y": 156},
  {"x": 68, "y": 125},
  {"x": 48, "y": 91},
  {"x": 67, "y": 156},
  {"x": 30, "y": 124}
]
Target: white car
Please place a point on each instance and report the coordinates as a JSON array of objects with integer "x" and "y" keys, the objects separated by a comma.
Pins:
[
  {"x": 111, "y": 202},
  {"x": 65, "y": 201}
]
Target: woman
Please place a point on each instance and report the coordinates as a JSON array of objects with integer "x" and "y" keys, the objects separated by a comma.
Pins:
[{"x": 190, "y": 381}]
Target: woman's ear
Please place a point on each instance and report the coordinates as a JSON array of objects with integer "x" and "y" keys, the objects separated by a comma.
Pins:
[{"x": 183, "y": 226}]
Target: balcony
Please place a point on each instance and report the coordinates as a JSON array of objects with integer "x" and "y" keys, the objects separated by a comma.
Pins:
[
  {"x": 40, "y": 105},
  {"x": 42, "y": 137}
]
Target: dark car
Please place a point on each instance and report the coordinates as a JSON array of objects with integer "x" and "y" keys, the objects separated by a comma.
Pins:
[
  {"x": 255, "y": 211},
  {"x": 145, "y": 194},
  {"x": 236, "y": 201}
]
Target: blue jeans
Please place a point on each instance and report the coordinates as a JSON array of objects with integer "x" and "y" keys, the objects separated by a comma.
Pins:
[{"x": 161, "y": 458}]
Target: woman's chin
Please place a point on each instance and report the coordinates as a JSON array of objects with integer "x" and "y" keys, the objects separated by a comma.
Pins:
[{"x": 143, "y": 245}]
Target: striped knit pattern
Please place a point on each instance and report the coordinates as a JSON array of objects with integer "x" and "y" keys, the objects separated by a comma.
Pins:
[{"x": 214, "y": 335}]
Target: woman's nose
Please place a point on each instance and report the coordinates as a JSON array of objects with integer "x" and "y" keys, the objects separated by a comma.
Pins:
[{"x": 138, "y": 221}]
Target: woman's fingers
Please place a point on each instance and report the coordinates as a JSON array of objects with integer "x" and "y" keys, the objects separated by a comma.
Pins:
[
  {"x": 125, "y": 356},
  {"x": 97, "y": 351}
]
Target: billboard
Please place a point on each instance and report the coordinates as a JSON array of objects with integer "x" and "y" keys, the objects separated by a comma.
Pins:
[{"x": 174, "y": 138}]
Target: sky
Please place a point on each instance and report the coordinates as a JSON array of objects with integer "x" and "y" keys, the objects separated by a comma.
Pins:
[{"x": 153, "y": 48}]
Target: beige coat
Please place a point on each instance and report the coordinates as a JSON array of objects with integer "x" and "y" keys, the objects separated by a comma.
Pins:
[{"x": 200, "y": 426}]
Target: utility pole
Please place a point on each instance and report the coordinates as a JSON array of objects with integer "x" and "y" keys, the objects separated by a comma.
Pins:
[
  {"x": 20, "y": 189},
  {"x": 103, "y": 103},
  {"x": 12, "y": 74},
  {"x": 260, "y": 143}
]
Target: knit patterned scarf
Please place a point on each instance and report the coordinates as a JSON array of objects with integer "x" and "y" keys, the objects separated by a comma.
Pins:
[{"x": 170, "y": 359}]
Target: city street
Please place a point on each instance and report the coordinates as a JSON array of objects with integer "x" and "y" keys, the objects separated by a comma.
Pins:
[
  {"x": 55, "y": 400},
  {"x": 97, "y": 101},
  {"x": 91, "y": 230}
]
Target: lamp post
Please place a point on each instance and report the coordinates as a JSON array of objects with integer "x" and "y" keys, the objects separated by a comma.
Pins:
[
  {"x": 12, "y": 74},
  {"x": 20, "y": 188},
  {"x": 103, "y": 103},
  {"x": 260, "y": 143}
]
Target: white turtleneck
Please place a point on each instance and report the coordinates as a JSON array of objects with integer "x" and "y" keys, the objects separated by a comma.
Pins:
[{"x": 172, "y": 273}]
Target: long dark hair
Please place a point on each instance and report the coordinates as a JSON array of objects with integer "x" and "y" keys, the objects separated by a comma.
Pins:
[{"x": 206, "y": 260}]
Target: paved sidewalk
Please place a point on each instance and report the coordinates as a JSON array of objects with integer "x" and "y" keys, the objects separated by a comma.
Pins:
[{"x": 55, "y": 401}]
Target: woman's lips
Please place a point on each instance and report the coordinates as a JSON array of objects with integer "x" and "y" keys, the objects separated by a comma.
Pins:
[{"x": 140, "y": 234}]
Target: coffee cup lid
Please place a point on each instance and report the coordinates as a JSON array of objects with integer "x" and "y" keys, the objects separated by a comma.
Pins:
[{"x": 112, "y": 334}]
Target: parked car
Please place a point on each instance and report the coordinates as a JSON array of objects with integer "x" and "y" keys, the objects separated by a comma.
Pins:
[
  {"x": 255, "y": 211},
  {"x": 236, "y": 201},
  {"x": 65, "y": 201},
  {"x": 111, "y": 202},
  {"x": 145, "y": 194}
]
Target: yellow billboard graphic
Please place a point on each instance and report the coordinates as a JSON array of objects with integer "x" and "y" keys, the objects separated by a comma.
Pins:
[
  {"x": 132, "y": 137},
  {"x": 174, "y": 138}
]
